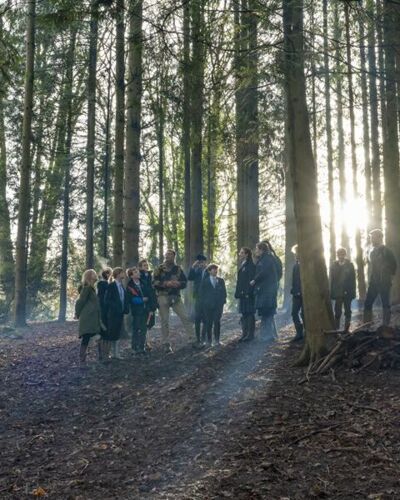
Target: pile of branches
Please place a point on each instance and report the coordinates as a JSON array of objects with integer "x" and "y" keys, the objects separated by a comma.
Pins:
[{"x": 360, "y": 349}]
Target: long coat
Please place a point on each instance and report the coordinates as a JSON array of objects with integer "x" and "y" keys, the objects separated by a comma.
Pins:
[
  {"x": 87, "y": 310},
  {"x": 244, "y": 291},
  {"x": 102, "y": 286},
  {"x": 212, "y": 297},
  {"x": 266, "y": 285},
  {"x": 115, "y": 311}
]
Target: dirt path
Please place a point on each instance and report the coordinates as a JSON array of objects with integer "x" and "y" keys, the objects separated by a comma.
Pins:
[{"x": 228, "y": 423}]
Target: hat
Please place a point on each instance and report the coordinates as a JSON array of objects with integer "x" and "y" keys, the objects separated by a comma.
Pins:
[{"x": 201, "y": 257}]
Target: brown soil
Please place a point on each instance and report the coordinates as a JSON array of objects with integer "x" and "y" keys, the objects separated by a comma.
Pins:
[{"x": 227, "y": 423}]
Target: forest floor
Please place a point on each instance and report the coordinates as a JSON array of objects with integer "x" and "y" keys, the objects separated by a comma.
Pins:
[{"x": 227, "y": 423}]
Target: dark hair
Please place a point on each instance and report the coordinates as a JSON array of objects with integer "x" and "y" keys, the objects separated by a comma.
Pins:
[
  {"x": 212, "y": 266},
  {"x": 266, "y": 247},
  {"x": 171, "y": 250},
  {"x": 201, "y": 257},
  {"x": 248, "y": 252},
  {"x": 141, "y": 262},
  {"x": 106, "y": 273}
]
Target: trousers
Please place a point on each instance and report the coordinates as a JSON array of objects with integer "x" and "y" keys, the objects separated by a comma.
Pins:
[{"x": 167, "y": 302}]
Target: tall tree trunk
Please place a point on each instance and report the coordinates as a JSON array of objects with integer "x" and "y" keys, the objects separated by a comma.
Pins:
[
  {"x": 119, "y": 134},
  {"x": 317, "y": 305},
  {"x": 374, "y": 123},
  {"x": 160, "y": 119},
  {"x": 133, "y": 132},
  {"x": 246, "y": 97},
  {"x": 62, "y": 313},
  {"x": 186, "y": 130},
  {"x": 106, "y": 167},
  {"x": 328, "y": 117},
  {"x": 340, "y": 129},
  {"x": 366, "y": 136},
  {"x": 6, "y": 246},
  {"x": 313, "y": 86},
  {"x": 197, "y": 110},
  {"x": 24, "y": 197},
  {"x": 391, "y": 23},
  {"x": 359, "y": 251},
  {"x": 91, "y": 133}
]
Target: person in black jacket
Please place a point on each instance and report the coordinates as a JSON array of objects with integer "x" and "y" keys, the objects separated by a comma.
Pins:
[
  {"x": 102, "y": 286},
  {"x": 146, "y": 277},
  {"x": 141, "y": 304},
  {"x": 297, "y": 300},
  {"x": 342, "y": 287},
  {"x": 245, "y": 293},
  {"x": 116, "y": 301},
  {"x": 196, "y": 274},
  {"x": 266, "y": 282},
  {"x": 213, "y": 298},
  {"x": 383, "y": 267}
]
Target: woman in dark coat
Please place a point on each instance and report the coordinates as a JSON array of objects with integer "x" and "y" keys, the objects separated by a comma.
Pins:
[
  {"x": 245, "y": 293},
  {"x": 116, "y": 302},
  {"x": 265, "y": 284},
  {"x": 146, "y": 278},
  {"x": 102, "y": 286}
]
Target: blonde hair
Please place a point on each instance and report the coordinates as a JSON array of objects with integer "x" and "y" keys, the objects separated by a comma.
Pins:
[
  {"x": 86, "y": 275},
  {"x": 116, "y": 272}
]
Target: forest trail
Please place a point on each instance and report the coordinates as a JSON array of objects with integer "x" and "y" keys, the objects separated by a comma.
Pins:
[{"x": 220, "y": 423}]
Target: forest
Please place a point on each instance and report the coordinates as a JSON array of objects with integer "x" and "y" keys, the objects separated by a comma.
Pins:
[{"x": 133, "y": 128}]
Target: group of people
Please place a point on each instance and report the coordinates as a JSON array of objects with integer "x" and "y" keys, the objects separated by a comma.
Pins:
[
  {"x": 102, "y": 310},
  {"x": 342, "y": 278}
]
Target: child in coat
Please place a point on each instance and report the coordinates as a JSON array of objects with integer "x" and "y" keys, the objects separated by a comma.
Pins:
[{"x": 138, "y": 299}]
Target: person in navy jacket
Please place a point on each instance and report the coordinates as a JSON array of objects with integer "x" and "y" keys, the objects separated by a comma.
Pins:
[{"x": 213, "y": 298}]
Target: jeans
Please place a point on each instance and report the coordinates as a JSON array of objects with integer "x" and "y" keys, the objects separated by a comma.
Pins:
[
  {"x": 340, "y": 303},
  {"x": 165, "y": 302}
]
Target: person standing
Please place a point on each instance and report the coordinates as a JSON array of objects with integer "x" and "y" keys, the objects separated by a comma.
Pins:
[
  {"x": 138, "y": 298},
  {"x": 212, "y": 299},
  {"x": 245, "y": 293},
  {"x": 383, "y": 267},
  {"x": 297, "y": 299},
  {"x": 87, "y": 311},
  {"x": 146, "y": 278},
  {"x": 342, "y": 287},
  {"x": 102, "y": 286},
  {"x": 169, "y": 280},
  {"x": 265, "y": 285},
  {"x": 197, "y": 274},
  {"x": 116, "y": 301}
]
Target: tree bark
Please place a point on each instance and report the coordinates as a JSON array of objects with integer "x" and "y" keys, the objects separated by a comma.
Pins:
[
  {"x": 106, "y": 167},
  {"x": 374, "y": 120},
  {"x": 359, "y": 251},
  {"x": 24, "y": 195},
  {"x": 91, "y": 133},
  {"x": 328, "y": 128},
  {"x": 133, "y": 133},
  {"x": 119, "y": 134},
  {"x": 317, "y": 305},
  {"x": 391, "y": 23}
]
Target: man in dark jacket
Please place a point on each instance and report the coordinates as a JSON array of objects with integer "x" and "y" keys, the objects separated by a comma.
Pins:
[
  {"x": 196, "y": 274},
  {"x": 297, "y": 300},
  {"x": 212, "y": 298},
  {"x": 382, "y": 269},
  {"x": 169, "y": 280},
  {"x": 245, "y": 293},
  {"x": 343, "y": 287}
]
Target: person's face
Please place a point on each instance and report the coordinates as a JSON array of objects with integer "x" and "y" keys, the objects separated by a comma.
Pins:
[
  {"x": 376, "y": 239},
  {"x": 135, "y": 274},
  {"x": 242, "y": 254},
  {"x": 341, "y": 255},
  {"x": 202, "y": 263},
  {"x": 169, "y": 257},
  {"x": 92, "y": 278},
  {"x": 144, "y": 267},
  {"x": 121, "y": 276},
  {"x": 258, "y": 251},
  {"x": 214, "y": 271}
]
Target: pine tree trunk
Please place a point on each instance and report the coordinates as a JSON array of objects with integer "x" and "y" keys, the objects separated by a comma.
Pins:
[
  {"x": 62, "y": 313},
  {"x": 91, "y": 134},
  {"x": 6, "y": 246},
  {"x": 24, "y": 197},
  {"x": 328, "y": 117},
  {"x": 359, "y": 251},
  {"x": 119, "y": 134},
  {"x": 106, "y": 167},
  {"x": 133, "y": 132},
  {"x": 374, "y": 123},
  {"x": 186, "y": 126},
  {"x": 340, "y": 129},
  {"x": 197, "y": 110},
  {"x": 160, "y": 119},
  {"x": 317, "y": 305},
  {"x": 366, "y": 136},
  {"x": 391, "y": 23}
]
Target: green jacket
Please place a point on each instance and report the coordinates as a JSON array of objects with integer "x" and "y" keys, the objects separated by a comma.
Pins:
[{"x": 87, "y": 310}]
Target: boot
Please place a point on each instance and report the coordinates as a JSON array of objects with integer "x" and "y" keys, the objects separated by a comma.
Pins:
[
  {"x": 347, "y": 325},
  {"x": 299, "y": 333},
  {"x": 386, "y": 313},
  {"x": 251, "y": 326},
  {"x": 367, "y": 316},
  {"x": 82, "y": 355},
  {"x": 337, "y": 323},
  {"x": 100, "y": 350},
  {"x": 245, "y": 331},
  {"x": 115, "y": 350}
]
